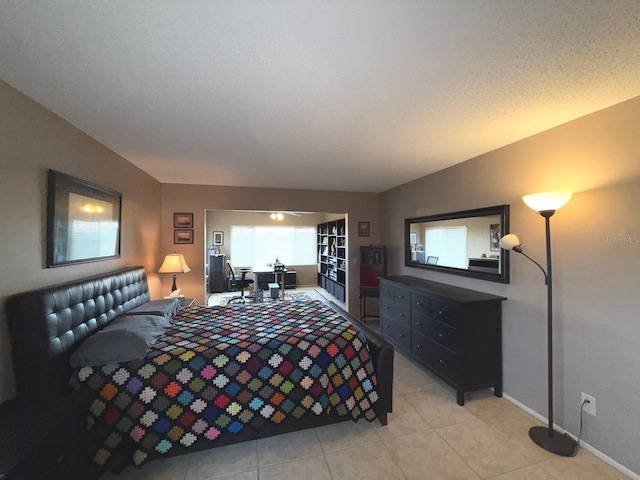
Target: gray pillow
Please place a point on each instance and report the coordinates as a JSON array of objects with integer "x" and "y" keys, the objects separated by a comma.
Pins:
[
  {"x": 166, "y": 307},
  {"x": 137, "y": 321},
  {"x": 123, "y": 340}
]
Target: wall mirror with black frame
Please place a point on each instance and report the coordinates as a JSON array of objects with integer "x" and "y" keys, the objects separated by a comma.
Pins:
[{"x": 461, "y": 243}]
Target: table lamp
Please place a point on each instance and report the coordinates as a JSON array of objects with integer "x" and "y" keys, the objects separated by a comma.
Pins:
[{"x": 174, "y": 263}]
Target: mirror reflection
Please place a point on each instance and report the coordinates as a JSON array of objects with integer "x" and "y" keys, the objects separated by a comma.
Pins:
[{"x": 465, "y": 243}]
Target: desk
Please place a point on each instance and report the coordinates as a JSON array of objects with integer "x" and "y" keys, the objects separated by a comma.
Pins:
[
  {"x": 489, "y": 265},
  {"x": 264, "y": 276}
]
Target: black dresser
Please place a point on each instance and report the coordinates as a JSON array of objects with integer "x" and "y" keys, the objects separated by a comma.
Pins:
[
  {"x": 455, "y": 332},
  {"x": 216, "y": 273}
]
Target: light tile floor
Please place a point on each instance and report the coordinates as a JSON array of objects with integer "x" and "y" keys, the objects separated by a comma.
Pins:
[{"x": 428, "y": 436}]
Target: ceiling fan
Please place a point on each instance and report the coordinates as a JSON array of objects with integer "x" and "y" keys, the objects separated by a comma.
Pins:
[{"x": 280, "y": 215}]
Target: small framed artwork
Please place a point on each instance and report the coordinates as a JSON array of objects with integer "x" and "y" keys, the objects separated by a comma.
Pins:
[
  {"x": 494, "y": 235},
  {"x": 183, "y": 220},
  {"x": 183, "y": 235},
  {"x": 364, "y": 229},
  {"x": 413, "y": 238},
  {"x": 218, "y": 238}
]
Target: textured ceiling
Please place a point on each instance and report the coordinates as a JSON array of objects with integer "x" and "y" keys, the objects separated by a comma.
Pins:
[{"x": 344, "y": 95}]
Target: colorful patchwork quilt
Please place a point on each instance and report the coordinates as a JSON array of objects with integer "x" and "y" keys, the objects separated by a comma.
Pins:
[{"x": 220, "y": 370}]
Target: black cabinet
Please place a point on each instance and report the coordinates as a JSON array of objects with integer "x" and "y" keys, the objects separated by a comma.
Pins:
[
  {"x": 455, "y": 332},
  {"x": 265, "y": 278},
  {"x": 216, "y": 273},
  {"x": 373, "y": 265},
  {"x": 332, "y": 257}
]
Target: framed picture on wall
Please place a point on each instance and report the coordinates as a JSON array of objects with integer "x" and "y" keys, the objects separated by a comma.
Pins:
[
  {"x": 183, "y": 235},
  {"x": 494, "y": 235},
  {"x": 364, "y": 229},
  {"x": 83, "y": 221},
  {"x": 413, "y": 238},
  {"x": 182, "y": 220},
  {"x": 218, "y": 238}
]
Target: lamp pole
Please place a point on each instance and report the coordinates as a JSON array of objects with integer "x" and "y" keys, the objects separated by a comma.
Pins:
[
  {"x": 546, "y": 204},
  {"x": 548, "y": 438},
  {"x": 547, "y": 224}
]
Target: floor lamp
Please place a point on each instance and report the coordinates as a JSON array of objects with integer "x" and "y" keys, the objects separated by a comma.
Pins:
[{"x": 546, "y": 205}]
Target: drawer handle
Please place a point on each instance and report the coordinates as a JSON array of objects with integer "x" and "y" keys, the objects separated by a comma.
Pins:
[
  {"x": 386, "y": 308},
  {"x": 418, "y": 345},
  {"x": 419, "y": 304},
  {"x": 387, "y": 326},
  {"x": 440, "y": 312},
  {"x": 441, "y": 335},
  {"x": 401, "y": 314},
  {"x": 441, "y": 362},
  {"x": 402, "y": 335},
  {"x": 401, "y": 297},
  {"x": 418, "y": 324},
  {"x": 387, "y": 291}
]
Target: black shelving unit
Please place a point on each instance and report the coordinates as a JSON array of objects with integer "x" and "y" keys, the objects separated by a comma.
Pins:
[{"x": 332, "y": 257}]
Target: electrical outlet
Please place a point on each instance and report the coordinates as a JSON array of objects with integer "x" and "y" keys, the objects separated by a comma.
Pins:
[{"x": 590, "y": 407}]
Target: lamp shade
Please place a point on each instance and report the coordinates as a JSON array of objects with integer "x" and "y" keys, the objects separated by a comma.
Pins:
[
  {"x": 174, "y": 263},
  {"x": 547, "y": 201},
  {"x": 509, "y": 241}
]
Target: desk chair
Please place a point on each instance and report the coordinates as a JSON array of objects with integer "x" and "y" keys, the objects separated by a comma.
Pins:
[{"x": 241, "y": 282}]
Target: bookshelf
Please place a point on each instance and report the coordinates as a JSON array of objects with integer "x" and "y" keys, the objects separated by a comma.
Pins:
[{"x": 332, "y": 257}]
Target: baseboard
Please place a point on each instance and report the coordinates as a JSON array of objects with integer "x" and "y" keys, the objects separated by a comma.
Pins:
[{"x": 583, "y": 444}]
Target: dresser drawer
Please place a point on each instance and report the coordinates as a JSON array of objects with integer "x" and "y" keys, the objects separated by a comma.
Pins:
[
  {"x": 396, "y": 312},
  {"x": 396, "y": 332},
  {"x": 402, "y": 297},
  {"x": 438, "y": 332},
  {"x": 386, "y": 290},
  {"x": 420, "y": 304},
  {"x": 435, "y": 356},
  {"x": 445, "y": 312}
]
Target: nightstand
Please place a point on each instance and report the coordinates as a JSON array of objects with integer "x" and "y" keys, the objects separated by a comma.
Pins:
[
  {"x": 188, "y": 302},
  {"x": 24, "y": 452}
]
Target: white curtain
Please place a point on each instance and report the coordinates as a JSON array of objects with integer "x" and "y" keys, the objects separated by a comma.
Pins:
[
  {"x": 448, "y": 244},
  {"x": 258, "y": 245}
]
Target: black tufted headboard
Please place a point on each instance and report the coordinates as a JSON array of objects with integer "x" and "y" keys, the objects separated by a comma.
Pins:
[{"x": 47, "y": 324}]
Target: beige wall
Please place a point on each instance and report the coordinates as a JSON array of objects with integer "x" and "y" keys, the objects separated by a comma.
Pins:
[
  {"x": 199, "y": 198},
  {"x": 32, "y": 140},
  {"x": 596, "y": 254}
]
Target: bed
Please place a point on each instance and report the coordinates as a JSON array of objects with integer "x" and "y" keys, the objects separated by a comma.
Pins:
[{"x": 215, "y": 376}]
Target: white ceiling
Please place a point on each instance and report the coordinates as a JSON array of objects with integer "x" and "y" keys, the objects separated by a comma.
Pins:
[{"x": 329, "y": 95}]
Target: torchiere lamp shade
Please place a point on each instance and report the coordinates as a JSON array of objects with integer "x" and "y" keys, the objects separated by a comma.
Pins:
[{"x": 547, "y": 201}]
